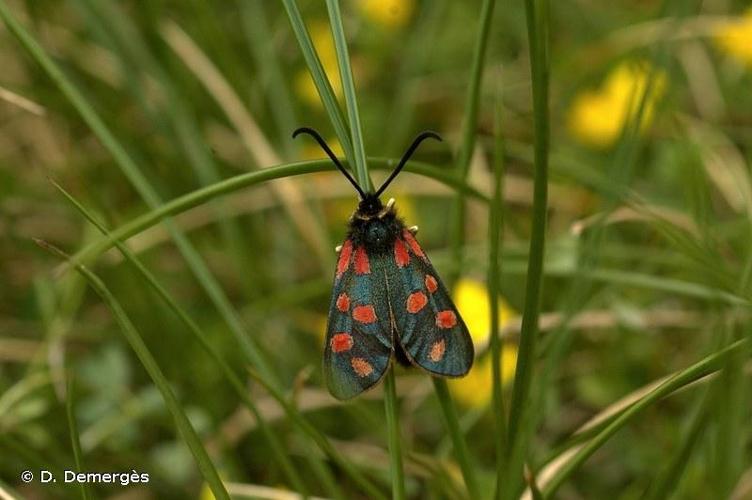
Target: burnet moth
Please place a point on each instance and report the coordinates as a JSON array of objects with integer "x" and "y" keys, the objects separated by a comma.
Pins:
[{"x": 387, "y": 300}]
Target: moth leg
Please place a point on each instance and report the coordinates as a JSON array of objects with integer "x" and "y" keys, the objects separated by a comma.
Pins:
[
  {"x": 338, "y": 248},
  {"x": 413, "y": 230}
]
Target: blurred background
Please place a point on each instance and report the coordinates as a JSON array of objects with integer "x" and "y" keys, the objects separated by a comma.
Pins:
[{"x": 648, "y": 261}]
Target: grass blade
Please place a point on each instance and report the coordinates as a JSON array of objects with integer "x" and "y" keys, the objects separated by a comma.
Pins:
[
  {"x": 703, "y": 367},
  {"x": 193, "y": 328},
  {"x": 358, "y": 157},
  {"x": 185, "y": 429},
  {"x": 669, "y": 478},
  {"x": 469, "y": 132},
  {"x": 495, "y": 230},
  {"x": 458, "y": 439},
  {"x": 537, "y": 23},
  {"x": 74, "y": 436},
  {"x": 140, "y": 183},
  {"x": 251, "y": 135},
  {"x": 134, "y": 51},
  {"x": 324, "y": 445},
  {"x": 320, "y": 80},
  {"x": 202, "y": 195},
  {"x": 393, "y": 431}
]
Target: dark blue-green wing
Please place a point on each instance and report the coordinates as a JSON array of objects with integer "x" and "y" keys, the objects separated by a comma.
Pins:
[
  {"x": 359, "y": 331},
  {"x": 428, "y": 326}
]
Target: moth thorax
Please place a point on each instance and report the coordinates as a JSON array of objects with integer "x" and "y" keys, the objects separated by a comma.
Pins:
[{"x": 377, "y": 233}]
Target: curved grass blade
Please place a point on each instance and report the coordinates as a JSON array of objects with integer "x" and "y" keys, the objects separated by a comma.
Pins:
[
  {"x": 185, "y": 429},
  {"x": 703, "y": 367},
  {"x": 202, "y": 195},
  {"x": 277, "y": 449},
  {"x": 669, "y": 478}
]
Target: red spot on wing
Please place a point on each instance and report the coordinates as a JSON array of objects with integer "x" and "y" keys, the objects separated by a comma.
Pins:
[
  {"x": 446, "y": 319},
  {"x": 341, "y": 342},
  {"x": 362, "y": 367},
  {"x": 410, "y": 239},
  {"x": 362, "y": 266},
  {"x": 401, "y": 257},
  {"x": 364, "y": 314},
  {"x": 344, "y": 258},
  {"x": 431, "y": 283},
  {"x": 416, "y": 301},
  {"x": 343, "y": 302},
  {"x": 437, "y": 351}
]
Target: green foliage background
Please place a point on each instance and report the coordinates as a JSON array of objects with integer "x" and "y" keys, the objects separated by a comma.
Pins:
[{"x": 128, "y": 105}]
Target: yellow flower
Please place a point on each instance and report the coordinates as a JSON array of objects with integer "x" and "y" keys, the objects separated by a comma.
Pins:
[
  {"x": 471, "y": 298},
  {"x": 597, "y": 117},
  {"x": 321, "y": 37},
  {"x": 475, "y": 388},
  {"x": 206, "y": 493},
  {"x": 312, "y": 151},
  {"x": 391, "y": 14},
  {"x": 735, "y": 38}
]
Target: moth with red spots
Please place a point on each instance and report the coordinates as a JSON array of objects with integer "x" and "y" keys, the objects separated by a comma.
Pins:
[{"x": 388, "y": 302}]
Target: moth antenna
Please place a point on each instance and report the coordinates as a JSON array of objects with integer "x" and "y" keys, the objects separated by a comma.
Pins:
[
  {"x": 328, "y": 151},
  {"x": 416, "y": 142}
]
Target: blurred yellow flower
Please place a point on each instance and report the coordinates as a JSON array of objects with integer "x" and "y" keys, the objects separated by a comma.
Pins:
[
  {"x": 391, "y": 14},
  {"x": 471, "y": 298},
  {"x": 475, "y": 388},
  {"x": 321, "y": 37},
  {"x": 312, "y": 151},
  {"x": 735, "y": 37},
  {"x": 206, "y": 493},
  {"x": 597, "y": 117}
]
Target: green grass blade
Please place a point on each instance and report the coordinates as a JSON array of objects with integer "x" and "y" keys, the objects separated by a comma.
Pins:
[
  {"x": 74, "y": 436},
  {"x": 348, "y": 85},
  {"x": 472, "y": 102},
  {"x": 321, "y": 441},
  {"x": 469, "y": 132},
  {"x": 139, "y": 182},
  {"x": 537, "y": 22},
  {"x": 320, "y": 80},
  {"x": 202, "y": 195},
  {"x": 255, "y": 21},
  {"x": 458, "y": 439},
  {"x": 133, "y": 50},
  {"x": 276, "y": 446},
  {"x": 703, "y": 367},
  {"x": 669, "y": 478},
  {"x": 185, "y": 429},
  {"x": 391, "y": 411},
  {"x": 495, "y": 230}
]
